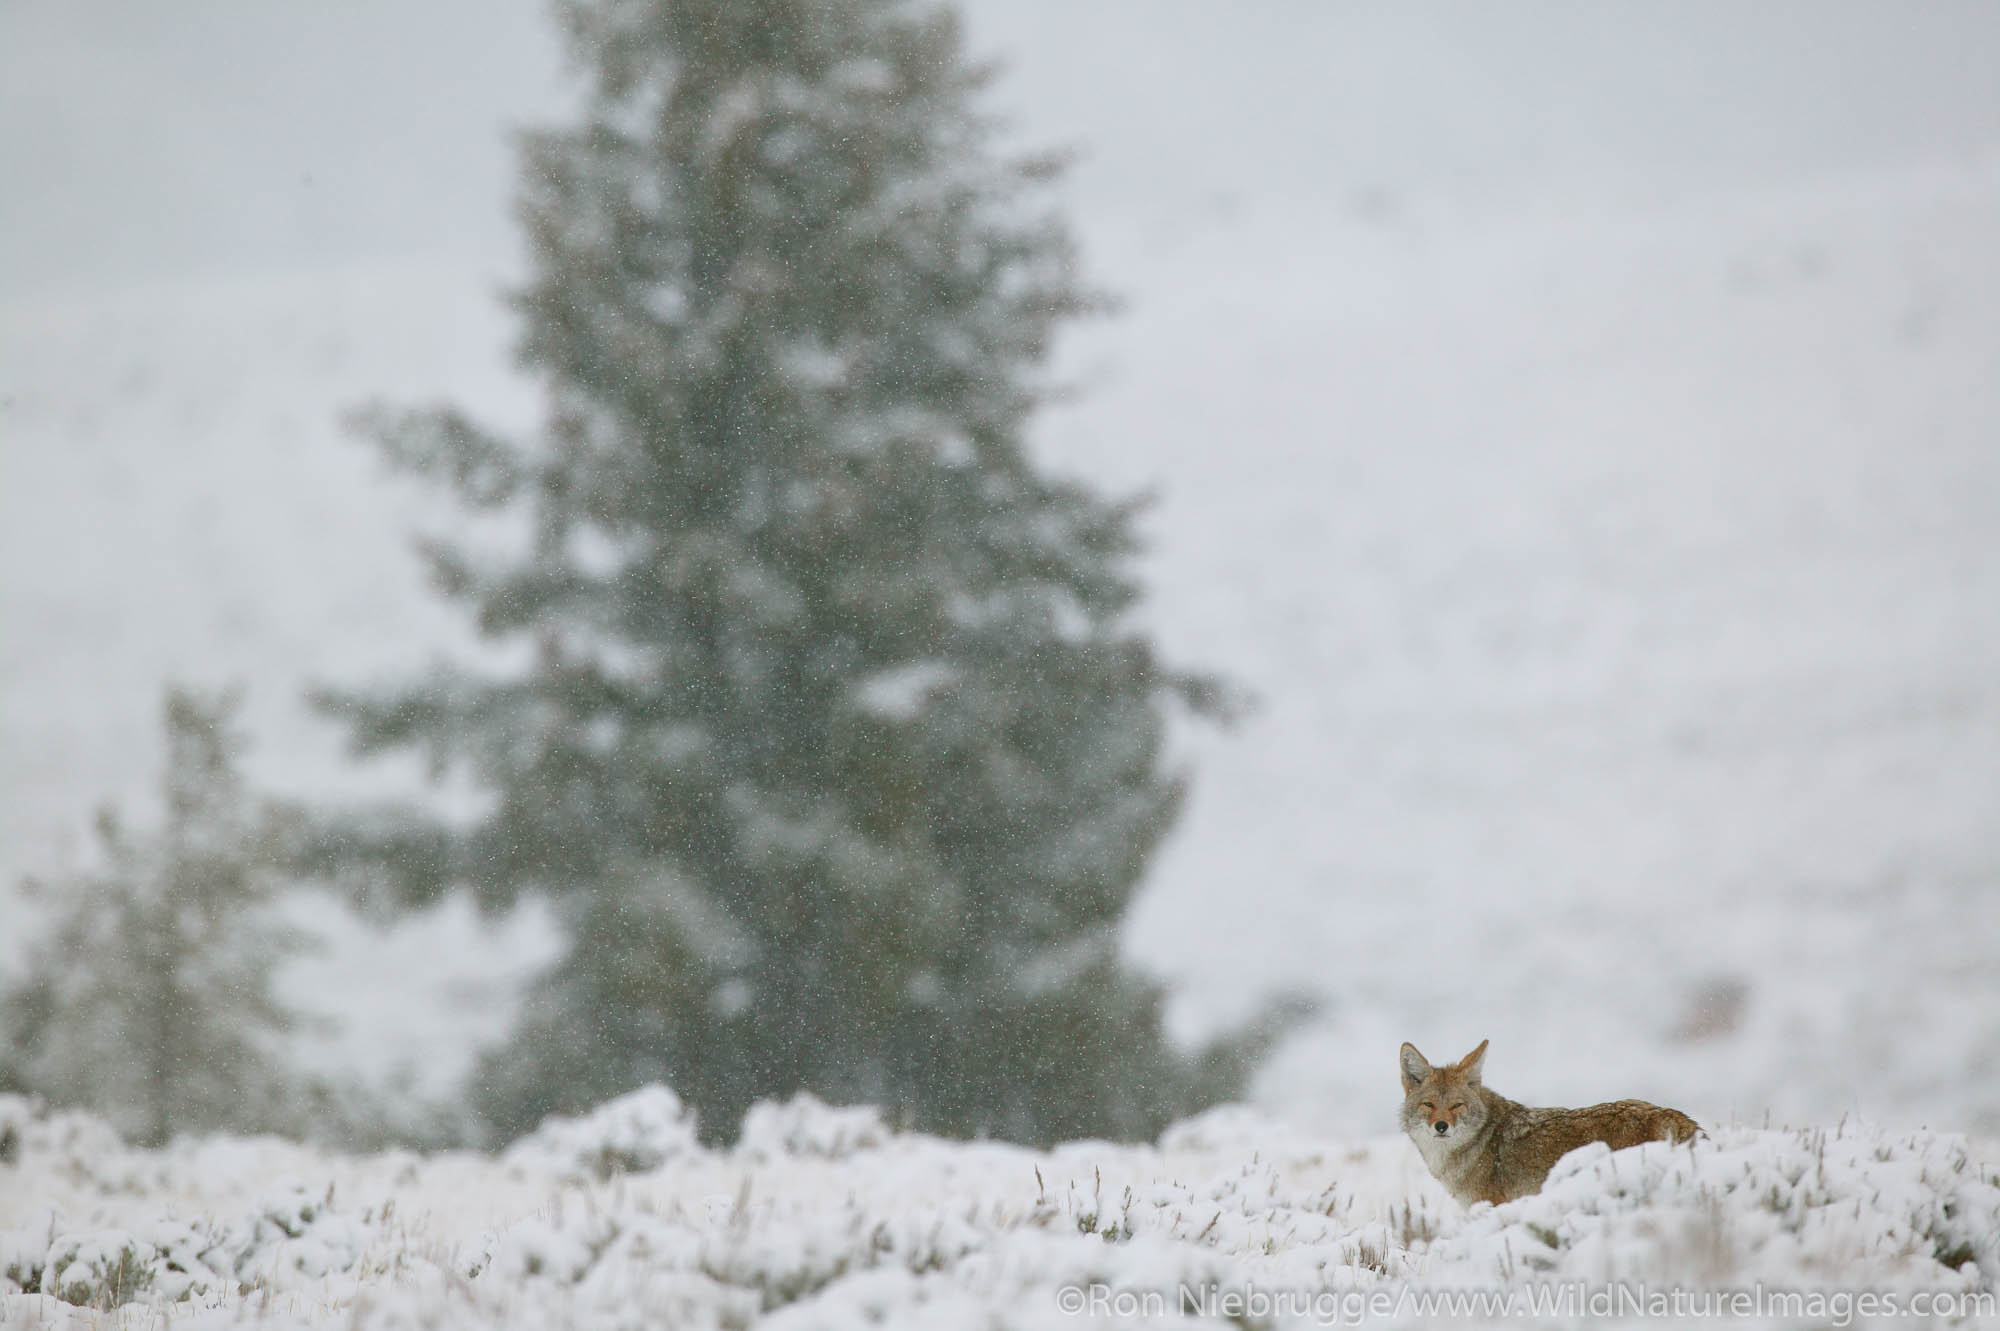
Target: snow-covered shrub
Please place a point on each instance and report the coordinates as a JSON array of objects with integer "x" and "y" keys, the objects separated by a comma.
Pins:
[
  {"x": 561, "y": 1245},
  {"x": 162, "y": 1260},
  {"x": 630, "y": 1135},
  {"x": 295, "y": 1230},
  {"x": 807, "y": 1125},
  {"x": 189, "y": 1258},
  {"x": 35, "y": 1130},
  {"x": 786, "y": 1253},
  {"x": 97, "y": 1268},
  {"x": 24, "y": 1252},
  {"x": 1808, "y": 1207}
]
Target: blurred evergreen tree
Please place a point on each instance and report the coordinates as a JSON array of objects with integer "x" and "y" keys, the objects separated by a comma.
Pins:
[
  {"x": 151, "y": 1002},
  {"x": 837, "y": 748}
]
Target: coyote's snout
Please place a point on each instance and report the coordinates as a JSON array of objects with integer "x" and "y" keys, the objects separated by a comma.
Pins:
[{"x": 1486, "y": 1148}]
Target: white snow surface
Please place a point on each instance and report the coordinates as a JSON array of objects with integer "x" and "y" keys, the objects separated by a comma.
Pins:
[
  {"x": 1613, "y": 553},
  {"x": 632, "y": 1134},
  {"x": 1231, "y": 1210}
]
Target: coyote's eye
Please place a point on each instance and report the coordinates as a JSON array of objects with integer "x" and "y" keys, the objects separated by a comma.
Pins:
[
  {"x": 1427, "y": 1105},
  {"x": 1459, "y": 1105}
]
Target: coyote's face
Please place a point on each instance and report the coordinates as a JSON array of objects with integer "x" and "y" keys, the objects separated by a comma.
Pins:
[{"x": 1442, "y": 1106}]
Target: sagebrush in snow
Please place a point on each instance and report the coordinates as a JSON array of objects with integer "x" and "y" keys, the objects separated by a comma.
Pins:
[{"x": 914, "y": 1231}]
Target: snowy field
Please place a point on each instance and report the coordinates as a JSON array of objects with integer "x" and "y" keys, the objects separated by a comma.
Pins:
[{"x": 821, "y": 1218}]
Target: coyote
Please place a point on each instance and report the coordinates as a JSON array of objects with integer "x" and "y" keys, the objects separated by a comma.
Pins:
[{"x": 1486, "y": 1148}]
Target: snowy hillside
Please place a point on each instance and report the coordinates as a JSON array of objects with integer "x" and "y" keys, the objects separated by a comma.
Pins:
[
  {"x": 822, "y": 1218},
  {"x": 1625, "y": 595},
  {"x": 1620, "y": 586}
]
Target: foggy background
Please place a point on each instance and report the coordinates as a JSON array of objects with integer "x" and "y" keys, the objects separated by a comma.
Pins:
[
  {"x": 214, "y": 138},
  {"x": 1577, "y": 425}
]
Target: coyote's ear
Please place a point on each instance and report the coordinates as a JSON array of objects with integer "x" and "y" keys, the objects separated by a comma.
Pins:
[
  {"x": 1415, "y": 1069},
  {"x": 1473, "y": 1062}
]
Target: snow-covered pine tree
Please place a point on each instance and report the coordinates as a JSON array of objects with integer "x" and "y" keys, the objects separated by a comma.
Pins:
[
  {"x": 838, "y": 748},
  {"x": 151, "y": 1000}
]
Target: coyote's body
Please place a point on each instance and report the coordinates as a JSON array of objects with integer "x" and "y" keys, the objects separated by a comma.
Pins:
[{"x": 1486, "y": 1148}]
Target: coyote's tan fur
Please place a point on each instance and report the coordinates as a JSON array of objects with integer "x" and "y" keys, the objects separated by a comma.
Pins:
[{"x": 1486, "y": 1148}]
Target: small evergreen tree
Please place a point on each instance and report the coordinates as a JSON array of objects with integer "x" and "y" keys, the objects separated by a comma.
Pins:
[
  {"x": 151, "y": 1001},
  {"x": 837, "y": 746}
]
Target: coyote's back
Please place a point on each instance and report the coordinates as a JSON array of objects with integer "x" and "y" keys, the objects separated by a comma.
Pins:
[{"x": 1486, "y": 1148}]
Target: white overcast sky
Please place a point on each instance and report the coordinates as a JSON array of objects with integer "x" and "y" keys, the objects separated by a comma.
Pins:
[{"x": 142, "y": 140}]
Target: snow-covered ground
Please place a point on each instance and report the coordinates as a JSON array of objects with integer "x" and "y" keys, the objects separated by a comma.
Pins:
[
  {"x": 822, "y": 1218},
  {"x": 1617, "y": 567}
]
